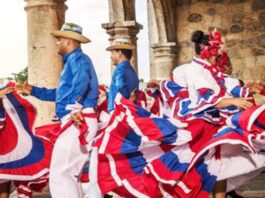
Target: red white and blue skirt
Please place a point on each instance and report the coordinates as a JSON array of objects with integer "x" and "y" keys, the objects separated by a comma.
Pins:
[{"x": 142, "y": 155}]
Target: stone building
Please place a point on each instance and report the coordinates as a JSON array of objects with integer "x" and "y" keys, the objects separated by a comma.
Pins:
[{"x": 171, "y": 23}]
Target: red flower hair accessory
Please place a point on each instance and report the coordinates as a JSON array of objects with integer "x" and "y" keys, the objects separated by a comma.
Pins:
[
  {"x": 222, "y": 61},
  {"x": 215, "y": 40}
]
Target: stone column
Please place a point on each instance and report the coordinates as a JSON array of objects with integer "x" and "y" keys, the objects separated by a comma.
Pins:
[
  {"x": 125, "y": 29},
  {"x": 162, "y": 37},
  {"x": 44, "y": 64},
  {"x": 164, "y": 58}
]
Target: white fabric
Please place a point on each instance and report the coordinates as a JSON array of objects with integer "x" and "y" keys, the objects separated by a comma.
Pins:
[
  {"x": 198, "y": 77},
  {"x": 194, "y": 77},
  {"x": 235, "y": 182},
  {"x": 180, "y": 76},
  {"x": 68, "y": 158},
  {"x": 231, "y": 83},
  {"x": 93, "y": 190},
  {"x": 237, "y": 165},
  {"x": 74, "y": 108}
]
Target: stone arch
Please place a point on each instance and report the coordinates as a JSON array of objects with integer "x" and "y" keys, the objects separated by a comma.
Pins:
[
  {"x": 123, "y": 23},
  {"x": 123, "y": 10},
  {"x": 164, "y": 19},
  {"x": 162, "y": 37}
]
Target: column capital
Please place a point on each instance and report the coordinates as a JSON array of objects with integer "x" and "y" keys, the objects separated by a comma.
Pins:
[
  {"x": 122, "y": 28},
  {"x": 164, "y": 49},
  {"x": 44, "y": 3},
  {"x": 127, "y": 29},
  {"x": 128, "y": 24},
  {"x": 164, "y": 59}
]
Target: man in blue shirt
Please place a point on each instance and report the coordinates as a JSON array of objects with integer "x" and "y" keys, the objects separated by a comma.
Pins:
[
  {"x": 124, "y": 81},
  {"x": 75, "y": 98},
  {"x": 124, "y": 78}
]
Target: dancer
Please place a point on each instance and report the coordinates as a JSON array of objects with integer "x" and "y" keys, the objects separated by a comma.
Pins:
[
  {"x": 4, "y": 187},
  {"x": 124, "y": 79},
  {"x": 76, "y": 98}
]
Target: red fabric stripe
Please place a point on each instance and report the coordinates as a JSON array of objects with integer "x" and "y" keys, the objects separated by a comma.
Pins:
[
  {"x": 30, "y": 109},
  {"x": 83, "y": 128},
  {"x": 8, "y": 137}
]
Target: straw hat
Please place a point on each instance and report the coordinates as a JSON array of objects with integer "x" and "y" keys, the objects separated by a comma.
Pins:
[
  {"x": 121, "y": 43},
  {"x": 72, "y": 31}
]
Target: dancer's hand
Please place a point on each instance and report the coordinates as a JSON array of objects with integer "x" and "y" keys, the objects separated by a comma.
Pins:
[
  {"x": 77, "y": 118},
  {"x": 5, "y": 91},
  {"x": 242, "y": 103},
  {"x": 256, "y": 88},
  {"x": 153, "y": 83},
  {"x": 133, "y": 95},
  {"x": 24, "y": 88}
]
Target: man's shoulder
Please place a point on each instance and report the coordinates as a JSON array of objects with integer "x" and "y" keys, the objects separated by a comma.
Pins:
[{"x": 81, "y": 56}]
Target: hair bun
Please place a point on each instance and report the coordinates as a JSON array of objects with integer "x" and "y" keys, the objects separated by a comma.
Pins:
[{"x": 197, "y": 36}]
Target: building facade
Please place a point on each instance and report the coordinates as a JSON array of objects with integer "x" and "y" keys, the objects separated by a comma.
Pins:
[{"x": 170, "y": 23}]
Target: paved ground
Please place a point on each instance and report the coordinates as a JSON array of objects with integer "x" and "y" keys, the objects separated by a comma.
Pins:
[{"x": 254, "y": 189}]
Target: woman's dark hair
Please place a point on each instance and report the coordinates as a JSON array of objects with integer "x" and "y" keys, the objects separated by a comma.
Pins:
[
  {"x": 127, "y": 53},
  {"x": 198, "y": 37}
]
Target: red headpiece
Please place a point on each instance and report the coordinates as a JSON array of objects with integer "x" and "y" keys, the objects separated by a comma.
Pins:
[
  {"x": 215, "y": 40},
  {"x": 222, "y": 61}
]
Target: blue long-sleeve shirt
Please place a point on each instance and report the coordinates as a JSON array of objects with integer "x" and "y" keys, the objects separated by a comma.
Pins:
[
  {"x": 124, "y": 80},
  {"x": 78, "y": 82}
]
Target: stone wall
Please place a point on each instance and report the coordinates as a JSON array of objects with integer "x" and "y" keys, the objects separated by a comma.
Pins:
[{"x": 242, "y": 23}]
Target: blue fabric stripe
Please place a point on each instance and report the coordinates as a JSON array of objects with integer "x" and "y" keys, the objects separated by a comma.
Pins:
[
  {"x": 2, "y": 112},
  {"x": 131, "y": 143},
  {"x": 168, "y": 130},
  {"x": 173, "y": 87},
  {"x": 21, "y": 111},
  {"x": 230, "y": 108},
  {"x": 156, "y": 93},
  {"x": 37, "y": 151},
  {"x": 171, "y": 161},
  {"x": 185, "y": 107},
  {"x": 204, "y": 96},
  {"x": 236, "y": 91},
  {"x": 228, "y": 130},
  {"x": 259, "y": 124},
  {"x": 223, "y": 132},
  {"x": 142, "y": 112},
  {"x": 208, "y": 181},
  {"x": 85, "y": 170},
  {"x": 212, "y": 113},
  {"x": 137, "y": 162},
  {"x": 235, "y": 118}
]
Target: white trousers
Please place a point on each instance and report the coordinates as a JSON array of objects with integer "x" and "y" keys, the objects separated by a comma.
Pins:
[
  {"x": 93, "y": 190},
  {"x": 68, "y": 159}
]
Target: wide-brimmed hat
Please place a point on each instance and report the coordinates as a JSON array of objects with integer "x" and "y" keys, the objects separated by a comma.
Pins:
[
  {"x": 72, "y": 31},
  {"x": 121, "y": 43}
]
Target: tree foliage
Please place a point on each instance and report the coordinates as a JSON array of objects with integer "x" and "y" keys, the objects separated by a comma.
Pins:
[{"x": 22, "y": 76}]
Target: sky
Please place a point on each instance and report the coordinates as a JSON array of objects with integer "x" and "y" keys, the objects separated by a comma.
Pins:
[{"x": 90, "y": 14}]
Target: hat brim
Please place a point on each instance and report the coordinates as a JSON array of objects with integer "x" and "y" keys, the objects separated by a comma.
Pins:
[
  {"x": 71, "y": 35},
  {"x": 115, "y": 47}
]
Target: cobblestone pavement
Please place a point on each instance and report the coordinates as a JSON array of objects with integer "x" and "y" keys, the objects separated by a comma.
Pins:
[{"x": 254, "y": 189}]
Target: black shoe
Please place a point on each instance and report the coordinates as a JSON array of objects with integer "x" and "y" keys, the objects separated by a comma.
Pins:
[
  {"x": 234, "y": 194},
  {"x": 107, "y": 196}
]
